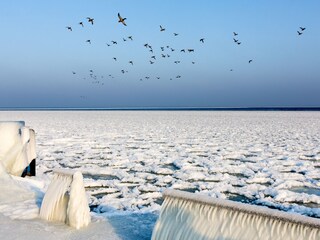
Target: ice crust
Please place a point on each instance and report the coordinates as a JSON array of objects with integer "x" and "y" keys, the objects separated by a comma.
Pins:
[{"x": 129, "y": 158}]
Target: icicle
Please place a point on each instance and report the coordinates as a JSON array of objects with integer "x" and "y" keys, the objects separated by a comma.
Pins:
[{"x": 191, "y": 216}]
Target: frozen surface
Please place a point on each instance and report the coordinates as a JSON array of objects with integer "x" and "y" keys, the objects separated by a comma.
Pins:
[{"x": 129, "y": 158}]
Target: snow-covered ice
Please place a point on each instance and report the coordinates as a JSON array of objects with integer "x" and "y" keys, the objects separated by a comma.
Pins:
[{"x": 129, "y": 157}]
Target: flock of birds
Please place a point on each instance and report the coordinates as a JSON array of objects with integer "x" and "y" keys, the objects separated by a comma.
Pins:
[{"x": 165, "y": 51}]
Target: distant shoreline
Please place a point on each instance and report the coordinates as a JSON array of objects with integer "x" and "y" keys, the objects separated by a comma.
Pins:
[{"x": 169, "y": 109}]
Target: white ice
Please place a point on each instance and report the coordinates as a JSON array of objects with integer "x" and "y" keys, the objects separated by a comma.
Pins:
[{"x": 129, "y": 158}]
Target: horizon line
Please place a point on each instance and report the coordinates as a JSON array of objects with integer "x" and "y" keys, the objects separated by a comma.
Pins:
[{"x": 268, "y": 108}]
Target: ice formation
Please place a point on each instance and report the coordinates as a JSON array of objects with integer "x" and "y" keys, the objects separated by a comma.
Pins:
[
  {"x": 78, "y": 211},
  {"x": 194, "y": 216},
  {"x": 66, "y": 200},
  {"x": 17, "y": 146}
]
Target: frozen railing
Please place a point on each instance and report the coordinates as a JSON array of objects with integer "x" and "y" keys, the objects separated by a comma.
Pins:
[
  {"x": 17, "y": 147},
  {"x": 66, "y": 200},
  {"x": 193, "y": 216}
]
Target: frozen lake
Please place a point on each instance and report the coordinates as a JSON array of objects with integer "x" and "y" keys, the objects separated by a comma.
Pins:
[{"x": 129, "y": 157}]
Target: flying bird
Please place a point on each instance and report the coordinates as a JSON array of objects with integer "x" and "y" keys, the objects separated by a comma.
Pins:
[
  {"x": 73, "y": 72},
  {"x": 162, "y": 29},
  {"x": 81, "y": 23},
  {"x": 151, "y": 62},
  {"x": 114, "y": 42},
  {"x": 238, "y": 43},
  {"x": 90, "y": 20},
  {"x": 172, "y": 50},
  {"x": 124, "y": 39},
  {"x": 235, "y": 34},
  {"x": 162, "y": 55},
  {"x": 88, "y": 41},
  {"x": 176, "y": 62},
  {"x": 175, "y": 34},
  {"x": 193, "y": 62},
  {"x": 302, "y": 28},
  {"x": 235, "y": 40},
  {"x": 154, "y": 57},
  {"x": 202, "y": 40},
  {"x": 130, "y": 37},
  {"x": 108, "y": 44},
  {"x": 115, "y": 59},
  {"x": 250, "y": 60},
  {"x": 182, "y": 50},
  {"x": 146, "y": 45},
  {"x": 69, "y": 28},
  {"x": 158, "y": 77},
  {"x": 162, "y": 48},
  {"x": 122, "y": 71},
  {"x": 131, "y": 62},
  {"x": 190, "y": 50},
  {"x": 121, "y": 20},
  {"x": 299, "y": 33}
]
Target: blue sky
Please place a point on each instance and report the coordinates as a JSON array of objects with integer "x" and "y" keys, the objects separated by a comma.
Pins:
[{"x": 38, "y": 54}]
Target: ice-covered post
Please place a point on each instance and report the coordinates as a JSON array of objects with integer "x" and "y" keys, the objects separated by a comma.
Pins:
[
  {"x": 66, "y": 200},
  {"x": 17, "y": 146}
]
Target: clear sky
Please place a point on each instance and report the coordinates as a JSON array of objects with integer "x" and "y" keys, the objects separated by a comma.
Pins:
[{"x": 39, "y": 54}]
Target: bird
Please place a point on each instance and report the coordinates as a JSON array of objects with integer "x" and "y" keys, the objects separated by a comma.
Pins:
[
  {"x": 69, "y": 28},
  {"x": 124, "y": 39},
  {"x": 162, "y": 29},
  {"x": 172, "y": 50},
  {"x": 115, "y": 59},
  {"x": 235, "y": 40},
  {"x": 302, "y": 28},
  {"x": 238, "y": 43},
  {"x": 299, "y": 33},
  {"x": 182, "y": 50},
  {"x": 88, "y": 41},
  {"x": 202, "y": 40},
  {"x": 90, "y": 20},
  {"x": 154, "y": 57},
  {"x": 175, "y": 34},
  {"x": 158, "y": 77},
  {"x": 81, "y": 23},
  {"x": 121, "y": 20},
  {"x": 176, "y": 62},
  {"x": 73, "y": 72},
  {"x": 151, "y": 62},
  {"x": 147, "y": 77},
  {"x": 250, "y": 60},
  {"x": 162, "y": 48},
  {"x": 168, "y": 55},
  {"x": 114, "y": 42},
  {"x": 162, "y": 55},
  {"x": 151, "y": 50},
  {"x": 178, "y": 76},
  {"x": 231, "y": 70},
  {"x": 235, "y": 34},
  {"x": 108, "y": 44},
  {"x": 130, "y": 37},
  {"x": 91, "y": 71},
  {"x": 193, "y": 62},
  {"x": 122, "y": 71},
  {"x": 190, "y": 50},
  {"x": 131, "y": 62},
  {"x": 146, "y": 45}
]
